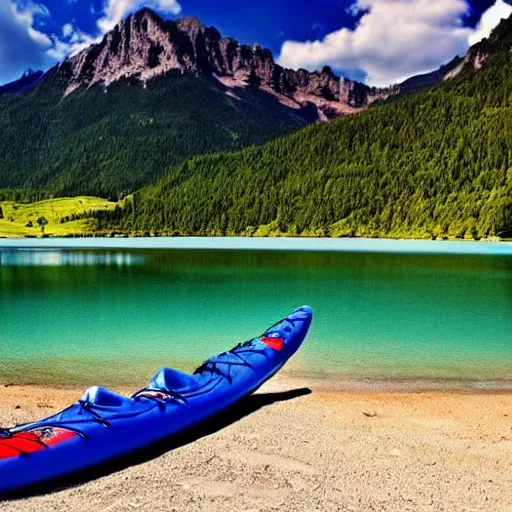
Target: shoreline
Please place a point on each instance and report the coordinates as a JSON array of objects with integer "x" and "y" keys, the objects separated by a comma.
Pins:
[
  {"x": 356, "y": 245},
  {"x": 93, "y": 235},
  {"x": 329, "y": 384},
  {"x": 300, "y": 448}
]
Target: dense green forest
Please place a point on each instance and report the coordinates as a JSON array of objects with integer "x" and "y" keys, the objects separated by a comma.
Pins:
[
  {"x": 436, "y": 164},
  {"x": 22, "y": 195},
  {"x": 111, "y": 142}
]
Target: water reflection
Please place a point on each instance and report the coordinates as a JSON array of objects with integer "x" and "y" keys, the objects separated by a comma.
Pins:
[{"x": 57, "y": 258}]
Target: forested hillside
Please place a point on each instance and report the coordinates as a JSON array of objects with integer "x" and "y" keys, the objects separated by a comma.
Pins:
[
  {"x": 435, "y": 164},
  {"x": 152, "y": 93},
  {"x": 111, "y": 142}
]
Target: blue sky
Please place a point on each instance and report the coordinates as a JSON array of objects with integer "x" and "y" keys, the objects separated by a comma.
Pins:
[{"x": 380, "y": 41}]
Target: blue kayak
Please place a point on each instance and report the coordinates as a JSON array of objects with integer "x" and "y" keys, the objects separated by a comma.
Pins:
[{"x": 103, "y": 426}]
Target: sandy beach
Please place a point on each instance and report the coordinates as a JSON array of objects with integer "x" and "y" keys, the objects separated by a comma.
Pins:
[{"x": 300, "y": 447}]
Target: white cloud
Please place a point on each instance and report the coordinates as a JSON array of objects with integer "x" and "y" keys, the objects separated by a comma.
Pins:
[
  {"x": 26, "y": 16},
  {"x": 21, "y": 45},
  {"x": 67, "y": 30},
  {"x": 490, "y": 19},
  {"x": 395, "y": 39},
  {"x": 74, "y": 41},
  {"x": 115, "y": 10}
]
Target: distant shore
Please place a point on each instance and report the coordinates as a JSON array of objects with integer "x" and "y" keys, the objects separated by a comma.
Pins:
[
  {"x": 383, "y": 245},
  {"x": 4, "y": 235},
  {"x": 304, "y": 448},
  {"x": 73, "y": 217}
]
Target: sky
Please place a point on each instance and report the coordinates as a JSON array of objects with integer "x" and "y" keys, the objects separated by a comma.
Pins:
[{"x": 379, "y": 42}]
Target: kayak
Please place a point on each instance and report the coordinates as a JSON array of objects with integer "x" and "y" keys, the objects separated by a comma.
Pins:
[{"x": 104, "y": 426}]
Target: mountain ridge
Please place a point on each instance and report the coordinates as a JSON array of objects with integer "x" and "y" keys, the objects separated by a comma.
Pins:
[
  {"x": 109, "y": 145},
  {"x": 144, "y": 46}
]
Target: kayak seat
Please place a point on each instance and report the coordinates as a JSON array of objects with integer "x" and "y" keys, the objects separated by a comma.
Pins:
[
  {"x": 169, "y": 379},
  {"x": 104, "y": 397}
]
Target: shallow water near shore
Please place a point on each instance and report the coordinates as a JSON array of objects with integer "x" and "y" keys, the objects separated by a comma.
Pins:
[{"x": 113, "y": 312}]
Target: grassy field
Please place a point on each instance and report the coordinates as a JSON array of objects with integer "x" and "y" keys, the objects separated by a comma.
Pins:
[{"x": 21, "y": 220}]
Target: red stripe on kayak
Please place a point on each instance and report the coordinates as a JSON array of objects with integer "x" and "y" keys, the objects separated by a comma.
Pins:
[
  {"x": 18, "y": 445},
  {"x": 274, "y": 343},
  {"x": 6, "y": 451},
  {"x": 33, "y": 441}
]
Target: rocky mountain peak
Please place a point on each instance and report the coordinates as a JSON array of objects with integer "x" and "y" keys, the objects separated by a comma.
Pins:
[
  {"x": 144, "y": 13},
  {"x": 190, "y": 24},
  {"x": 144, "y": 46}
]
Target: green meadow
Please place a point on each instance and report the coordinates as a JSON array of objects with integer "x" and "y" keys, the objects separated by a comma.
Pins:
[{"x": 52, "y": 217}]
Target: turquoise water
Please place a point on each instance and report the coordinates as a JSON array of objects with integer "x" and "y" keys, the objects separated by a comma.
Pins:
[{"x": 76, "y": 313}]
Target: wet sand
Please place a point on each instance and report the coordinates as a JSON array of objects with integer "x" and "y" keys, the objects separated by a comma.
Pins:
[{"x": 294, "y": 450}]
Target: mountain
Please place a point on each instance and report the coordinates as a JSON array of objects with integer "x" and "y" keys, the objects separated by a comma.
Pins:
[
  {"x": 111, "y": 143},
  {"x": 153, "y": 93},
  {"x": 436, "y": 164},
  {"x": 29, "y": 79},
  {"x": 445, "y": 72},
  {"x": 145, "y": 46}
]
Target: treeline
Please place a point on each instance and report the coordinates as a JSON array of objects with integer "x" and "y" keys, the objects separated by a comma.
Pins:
[
  {"x": 23, "y": 195},
  {"x": 108, "y": 143},
  {"x": 433, "y": 165}
]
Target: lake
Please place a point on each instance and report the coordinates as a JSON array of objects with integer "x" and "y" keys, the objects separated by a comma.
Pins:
[{"x": 112, "y": 311}]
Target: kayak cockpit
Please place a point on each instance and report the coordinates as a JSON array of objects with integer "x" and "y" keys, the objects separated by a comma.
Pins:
[
  {"x": 169, "y": 379},
  {"x": 104, "y": 397}
]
